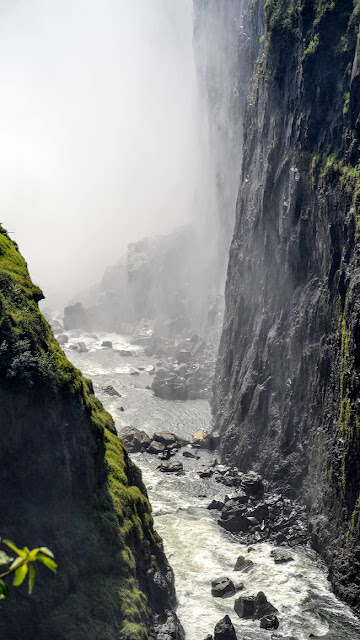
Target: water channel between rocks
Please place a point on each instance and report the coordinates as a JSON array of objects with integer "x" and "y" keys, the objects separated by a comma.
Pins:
[{"x": 198, "y": 549}]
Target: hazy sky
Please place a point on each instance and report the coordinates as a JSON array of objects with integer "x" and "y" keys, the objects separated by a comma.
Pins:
[{"x": 97, "y": 128}]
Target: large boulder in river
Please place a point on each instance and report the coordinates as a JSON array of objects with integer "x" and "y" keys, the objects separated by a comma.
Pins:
[
  {"x": 222, "y": 587},
  {"x": 165, "y": 437},
  {"x": 110, "y": 391},
  {"x": 171, "y": 467},
  {"x": 245, "y": 606},
  {"x": 243, "y": 564},
  {"x": 155, "y": 447},
  {"x": 62, "y": 339},
  {"x": 134, "y": 439},
  {"x": 263, "y": 607},
  {"x": 224, "y": 630}
]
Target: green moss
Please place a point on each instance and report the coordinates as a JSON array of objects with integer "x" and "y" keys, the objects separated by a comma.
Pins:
[{"x": 79, "y": 493}]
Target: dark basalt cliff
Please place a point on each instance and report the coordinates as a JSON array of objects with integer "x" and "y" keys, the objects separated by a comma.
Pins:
[
  {"x": 67, "y": 481},
  {"x": 287, "y": 392}
]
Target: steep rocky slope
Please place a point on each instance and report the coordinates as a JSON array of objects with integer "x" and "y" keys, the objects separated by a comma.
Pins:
[
  {"x": 287, "y": 392},
  {"x": 67, "y": 482}
]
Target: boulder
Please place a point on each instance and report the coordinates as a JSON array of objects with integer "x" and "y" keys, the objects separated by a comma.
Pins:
[
  {"x": 165, "y": 437},
  {"x": 252, "y": 484},
  {"x": 269, "y": 622},
  {"x": 75, "y": 317},
  {"x": 171, "y": 467},
  {"x": 243, "y": 564},
  {"x": 125, "y": 353},
  {"x": 224, "y": 630},
  {"x": 110, "y": 391},
  {"x": 245, "y": 606},
  {"x": 240, "y": 498},
  {"x": 281, "y": 557},
  {"x": 62, "y": 339},
  {"x": 155, "y": 447},
  {"x": 134, "y": 439},
  {"x": 222, "y": 587},
  {"x": 216, "y": 504},
  {"x": 107, "y": 344},
  {"x": 206, "y": 473},
  {"x": 188, "y": 454},
  {"x": 82, "y": 348},
  {"x": 263, "y": 607}
]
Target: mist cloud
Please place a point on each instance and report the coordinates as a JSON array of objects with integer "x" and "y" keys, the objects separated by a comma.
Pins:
[{"x": 98, "y": 129}]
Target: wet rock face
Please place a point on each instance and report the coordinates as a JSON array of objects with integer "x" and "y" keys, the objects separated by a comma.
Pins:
[
  {"x": 224, "y": 630},
  {"x": 287, "y": 382}
]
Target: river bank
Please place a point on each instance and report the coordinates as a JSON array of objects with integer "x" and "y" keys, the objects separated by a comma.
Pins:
[{"x": 198, "y": 549}]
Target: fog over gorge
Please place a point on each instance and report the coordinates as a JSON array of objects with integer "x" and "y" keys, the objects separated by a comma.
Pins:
[{"x": 100, "y": 128}]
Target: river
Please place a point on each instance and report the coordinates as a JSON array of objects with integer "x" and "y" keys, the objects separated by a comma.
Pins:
[{"x": 198, "y": 549}]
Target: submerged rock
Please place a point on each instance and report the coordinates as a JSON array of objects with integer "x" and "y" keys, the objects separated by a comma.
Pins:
[
  {"x": 171, "y": 467},
  {"x": 222, "y": 587},
  {"x": 243, "y": 564},
  {"x": 110, "y": 391},
  {"x": 269, "y": 622},
  {"x": 107, "y": 344}
]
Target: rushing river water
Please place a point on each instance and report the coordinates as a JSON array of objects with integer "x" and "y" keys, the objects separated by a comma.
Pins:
[{"x": 198, "y": 549}]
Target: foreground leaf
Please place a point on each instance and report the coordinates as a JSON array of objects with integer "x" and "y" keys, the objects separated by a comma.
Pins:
[
  {"x": 50, "y": 564},
  {"x": 22, "y": 553},
  {"x": 4, "y": 590},
  {"x": 20, "y": 575},
  {"x": 4, "y": 558}
]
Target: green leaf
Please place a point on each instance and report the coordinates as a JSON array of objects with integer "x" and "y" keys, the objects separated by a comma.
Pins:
[
  {"x": 50, "y": 564},
  {"x": 32, "y": 555},
  {"x": 31, "y": 578},
  {"x": 46, "y": 551},
  {"x": 20, "y": 575},
  {"x": 4, "y": 558},
  {"x": 20, "y": 552},
  {"x": 4, "y": 590},
  {"x": 17, "y": 562}
]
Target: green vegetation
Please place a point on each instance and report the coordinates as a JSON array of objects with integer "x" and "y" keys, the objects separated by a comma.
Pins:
[
  {"x": 22, "y": 566},
  {"x": 70, "y": 482}
]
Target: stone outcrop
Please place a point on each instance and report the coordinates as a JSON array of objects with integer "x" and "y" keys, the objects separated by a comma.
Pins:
[{"x": 287, "y": 383}]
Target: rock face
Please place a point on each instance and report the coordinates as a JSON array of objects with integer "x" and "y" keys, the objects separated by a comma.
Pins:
[
  {"x": 224, "y": 630},
  {"x": 287, "y": 382},
  {"x": 80, "y": 494}
]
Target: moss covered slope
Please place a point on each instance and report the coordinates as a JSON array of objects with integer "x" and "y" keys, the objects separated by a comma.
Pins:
[{"x": 67, "y": 481}]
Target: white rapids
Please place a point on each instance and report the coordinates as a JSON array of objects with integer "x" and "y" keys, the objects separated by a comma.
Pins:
[{"x": 198, "y": 549}]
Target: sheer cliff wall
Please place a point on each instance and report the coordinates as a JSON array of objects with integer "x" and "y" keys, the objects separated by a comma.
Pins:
[{"x": 286, "y": 398}]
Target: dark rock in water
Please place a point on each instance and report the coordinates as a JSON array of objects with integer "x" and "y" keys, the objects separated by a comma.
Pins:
[
  {"x": 224, "y": 630},
  {"x": 243, "y": 564},
  {"x": 121, "y": 409},
  {"x": 111, "y": 391},
  {"x": 222, "y": 587},
  {"x": 165, "y": 437},
  {"x": 82, "y": 348},
  {"x": 134, "y": 439},
  {"x": 171, "y": 467},
  {"x": 134, "y": 373},
  {"x": 75, "y": 317},
  {"x": 62, "y": 339},
  {"x": 216, "y": 504},
  {"x": 188, "y": 454},
  {"x": 125, "y": 353},
  {"x": 269, "y": 622},
  {"x": 263, "y": 607},
  {"x": 164, "y": 455},
  {"x": 207, "y": 473},
  {"x": 107, "y": 344},
  {"x": 281, "y": 557},
  {"x": 155, "y": 447},
  {"x": 245, "y": 606},
  {"x": 239, "y": 586},
  {"x": 168, "y": 627}
]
